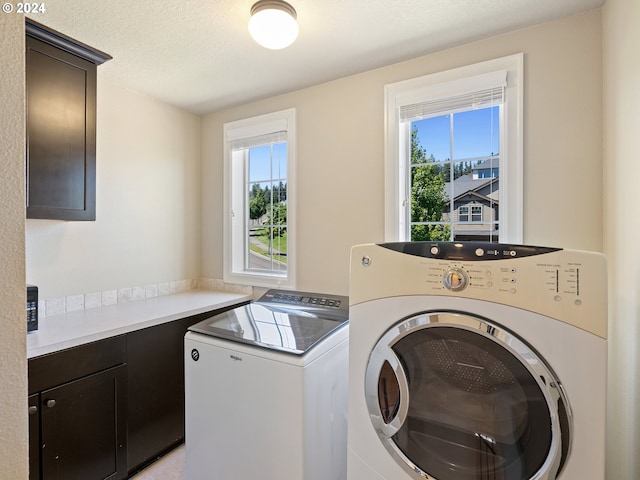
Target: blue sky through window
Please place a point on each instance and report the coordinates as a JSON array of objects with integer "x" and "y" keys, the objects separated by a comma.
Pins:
[
  {"x": 268, "y": 162},
  {"x": 476, "y": 134}
]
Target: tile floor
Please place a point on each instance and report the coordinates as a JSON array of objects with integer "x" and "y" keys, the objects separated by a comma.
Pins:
[{"x": 169, "y": 467}]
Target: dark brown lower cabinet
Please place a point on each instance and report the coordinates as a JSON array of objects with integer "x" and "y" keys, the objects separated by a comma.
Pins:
[
  {"x": 156, "y": 391},
  {"x": 77, "y": 406},
  {"x": 83, "y": 431}
]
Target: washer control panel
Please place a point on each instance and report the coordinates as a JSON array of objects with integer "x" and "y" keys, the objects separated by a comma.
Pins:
[
  {"x": 304, "y": 300},
  {"x": 327, "y": 306}
]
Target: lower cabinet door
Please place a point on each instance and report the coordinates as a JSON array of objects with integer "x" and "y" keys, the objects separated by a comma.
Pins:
[
  {"x": 34, "y": 437},
  {"x": 155, "y": 375},
  {"x": 83, "y": 430}
]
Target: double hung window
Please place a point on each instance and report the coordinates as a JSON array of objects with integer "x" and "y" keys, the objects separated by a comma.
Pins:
[
  {"x": 259, "y": 207},
  {"x": 476, "y": 213},
  {"x": 453, "y": 155}
]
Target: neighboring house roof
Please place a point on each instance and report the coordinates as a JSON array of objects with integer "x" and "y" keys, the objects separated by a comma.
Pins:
[
  {"x": 467, "y": 185},
  {"x": 489, "y": 162}
]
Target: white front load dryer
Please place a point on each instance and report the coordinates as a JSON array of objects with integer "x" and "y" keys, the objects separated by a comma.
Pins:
[{"x": 472, "y": 361}]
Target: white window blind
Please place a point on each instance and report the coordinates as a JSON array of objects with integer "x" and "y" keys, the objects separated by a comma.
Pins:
[
  {"x": 258, "y": 140},
  {"x": 488, "y": 92}
]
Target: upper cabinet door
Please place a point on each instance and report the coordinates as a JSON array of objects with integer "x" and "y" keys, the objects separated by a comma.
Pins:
[{"x": 61, "y": 126}]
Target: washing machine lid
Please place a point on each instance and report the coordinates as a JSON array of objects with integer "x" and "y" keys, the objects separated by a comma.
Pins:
[{"x": 279, "y": 325}]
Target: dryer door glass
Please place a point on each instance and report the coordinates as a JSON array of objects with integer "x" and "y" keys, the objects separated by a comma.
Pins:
[{"x": 474, "y": 408}]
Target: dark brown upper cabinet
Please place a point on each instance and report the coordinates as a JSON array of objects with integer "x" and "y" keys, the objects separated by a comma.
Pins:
[{"x": 61, "y": 125}]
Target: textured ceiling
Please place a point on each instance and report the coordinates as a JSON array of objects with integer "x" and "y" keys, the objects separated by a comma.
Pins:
[{"x": 197, "y": 54}]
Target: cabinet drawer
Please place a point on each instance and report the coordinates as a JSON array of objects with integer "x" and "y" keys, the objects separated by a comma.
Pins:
[{"x": 54, "y": 369}]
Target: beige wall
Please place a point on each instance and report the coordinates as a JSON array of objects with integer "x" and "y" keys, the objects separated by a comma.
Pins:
[
  {"x": 13, "y": 359},
  {"x": 147, "y": 206},
  {"x": 340, "y": 150},
  {"x": 621, "y": 38}
]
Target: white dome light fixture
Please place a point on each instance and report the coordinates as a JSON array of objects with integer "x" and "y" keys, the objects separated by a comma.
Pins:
[{"x": 273, "y": 24}]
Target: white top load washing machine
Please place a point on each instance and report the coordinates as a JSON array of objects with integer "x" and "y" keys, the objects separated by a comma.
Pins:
[
  {"x": 266, "y": 390},
  {"x": 472, "y": 361}
]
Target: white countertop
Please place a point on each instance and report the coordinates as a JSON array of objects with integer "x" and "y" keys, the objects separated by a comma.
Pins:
[{"x": 57, "y": 332}]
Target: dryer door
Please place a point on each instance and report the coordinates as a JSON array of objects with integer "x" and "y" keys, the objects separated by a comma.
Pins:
[{"x": 455, "y": 397}]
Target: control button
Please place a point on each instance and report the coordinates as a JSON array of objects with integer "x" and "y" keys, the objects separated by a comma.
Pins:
[
  {"x": 513, "y": 290},
  {"x": 366, "y": 261},
  {"x": 455, "y": 279},
  {"x": 513, "y": 280},
  {"x": 435, "y": 250},
  {"x": 578, "y": 302},
  {"x": 479, "y": 252},
  {"x": 512, "y": 253},
  {"x": 557, "y": 298},
  {"x": 489, "y": 284}
]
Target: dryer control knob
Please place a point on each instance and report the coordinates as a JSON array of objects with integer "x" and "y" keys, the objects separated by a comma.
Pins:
[{"x": 455, "y": 279}]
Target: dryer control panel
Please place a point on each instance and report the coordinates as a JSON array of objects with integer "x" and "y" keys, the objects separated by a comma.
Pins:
[{"x": 570, "y": 285}]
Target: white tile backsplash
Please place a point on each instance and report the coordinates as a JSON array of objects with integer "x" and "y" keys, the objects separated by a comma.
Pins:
[
  {"x": 124, "y": 295},
  {"x": 92, "y": 300},
  {"x": 151, "y": 290},
  {"x": 109, "y": 297},
  {"x": 54, "y": 306},
  {"x": 178, "y": 286},
  {"x": 164, "y": 288},
  {"x": 218, "y": 285},
  {"x": 137, "y": 293},
  {"x": 74, "y": 303}
]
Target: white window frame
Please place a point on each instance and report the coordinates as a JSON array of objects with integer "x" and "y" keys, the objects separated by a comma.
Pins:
[
  {"x": 235, "y": 201},
  {"x": 450, "y": 83}
]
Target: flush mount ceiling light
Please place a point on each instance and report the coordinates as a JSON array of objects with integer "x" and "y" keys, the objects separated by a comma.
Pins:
[{"x": 273, "y": 24}]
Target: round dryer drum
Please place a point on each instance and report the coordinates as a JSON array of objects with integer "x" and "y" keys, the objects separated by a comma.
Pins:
[{"x": 454, "y": 396}]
